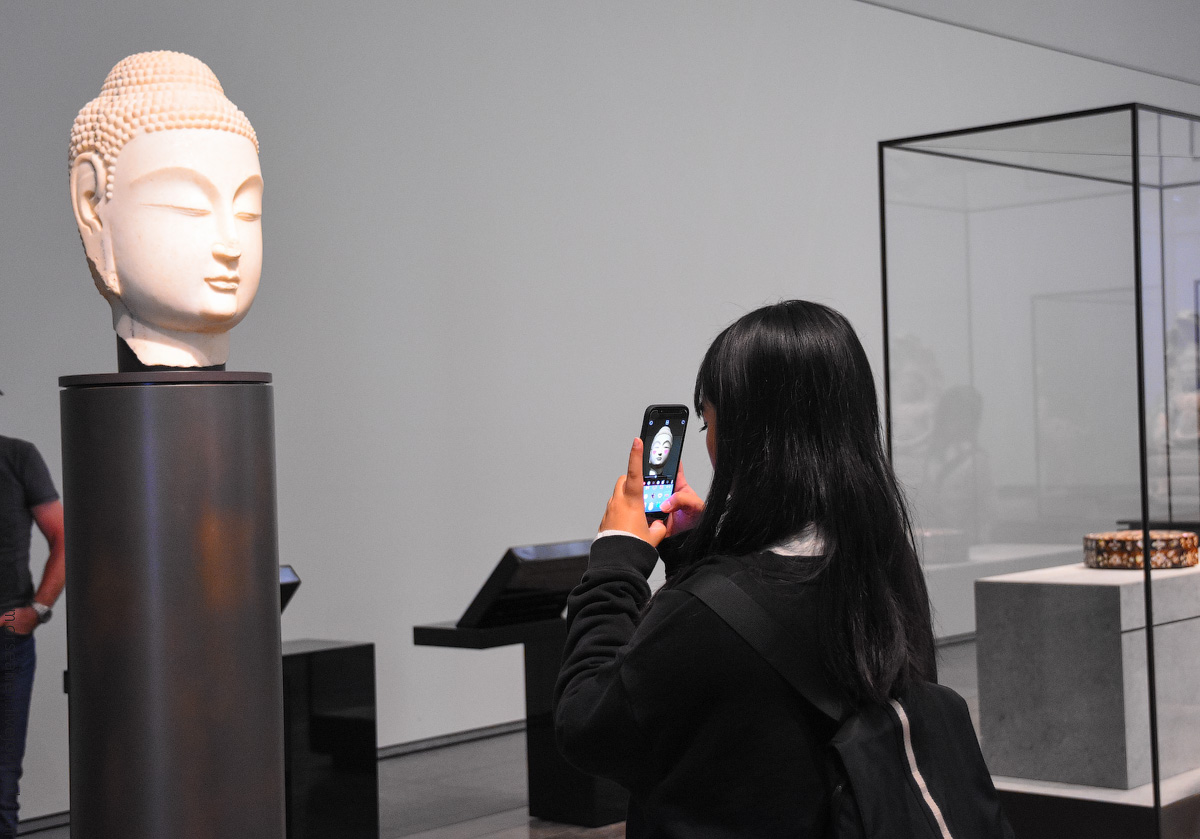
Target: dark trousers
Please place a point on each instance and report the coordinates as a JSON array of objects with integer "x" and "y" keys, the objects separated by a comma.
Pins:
[{"x": 18, "y": 659}]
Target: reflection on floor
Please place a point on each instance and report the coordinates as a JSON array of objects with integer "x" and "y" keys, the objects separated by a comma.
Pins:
[
  {"x": 470, "y": 790},
  {"x": 477, "y": 790},
  {"x": 467, "y": 791}
]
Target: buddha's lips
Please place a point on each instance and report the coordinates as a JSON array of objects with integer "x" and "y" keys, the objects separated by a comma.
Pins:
[{"x": 224, "y": 283}]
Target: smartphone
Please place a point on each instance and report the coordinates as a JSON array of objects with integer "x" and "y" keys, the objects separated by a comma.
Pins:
[{"x": 663, "y": 427}]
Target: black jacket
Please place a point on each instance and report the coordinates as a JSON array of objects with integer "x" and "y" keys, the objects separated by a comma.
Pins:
[{"x": 709, "y": 740}]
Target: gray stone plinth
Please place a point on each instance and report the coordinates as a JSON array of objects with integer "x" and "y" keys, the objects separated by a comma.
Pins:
[
  {"x": 950, "y": 583},
  {"x": 1063, "y": 692}
]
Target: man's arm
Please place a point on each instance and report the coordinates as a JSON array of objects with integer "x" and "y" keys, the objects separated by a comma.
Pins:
[{"x": 49, "y": 518}]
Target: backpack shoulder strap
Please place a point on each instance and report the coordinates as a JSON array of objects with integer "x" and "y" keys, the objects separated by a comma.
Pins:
[{"x": 797, "y": 664}]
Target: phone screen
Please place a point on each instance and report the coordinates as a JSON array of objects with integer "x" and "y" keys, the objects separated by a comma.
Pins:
[{"x": 663, "y": 427}]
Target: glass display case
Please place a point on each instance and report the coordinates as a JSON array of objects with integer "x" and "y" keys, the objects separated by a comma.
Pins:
[{"x": 1041, "y": 288}]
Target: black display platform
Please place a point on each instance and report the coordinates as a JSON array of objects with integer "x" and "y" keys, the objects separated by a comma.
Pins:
[
  {"x": 165, "y": 377},
  {"x": 558, "y": 791},
  {"x": 331, "y": 762},
  {"x": 331, "y": 767},
  {"x": 176, "y": 718},
  {"x": 447, "y": 634}
]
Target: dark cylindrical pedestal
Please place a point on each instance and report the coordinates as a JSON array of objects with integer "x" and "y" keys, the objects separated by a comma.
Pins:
[{"x": 173, "y": 641}]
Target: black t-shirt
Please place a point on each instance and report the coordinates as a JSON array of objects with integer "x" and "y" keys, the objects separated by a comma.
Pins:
[{"x": 24, "y": 484}]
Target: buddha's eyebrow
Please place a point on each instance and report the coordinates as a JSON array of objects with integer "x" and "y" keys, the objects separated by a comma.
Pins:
[
  {"x": 252, "y": 181},
  {"x": 182, "y": 173}
]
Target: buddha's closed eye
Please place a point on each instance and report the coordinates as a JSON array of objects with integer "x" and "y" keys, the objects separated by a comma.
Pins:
[{"x": 187, "y": 211}]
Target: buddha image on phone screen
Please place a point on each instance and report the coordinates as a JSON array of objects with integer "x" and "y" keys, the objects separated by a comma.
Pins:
[
  {"x": 661, "y": 462},
  {"x": 658, "y": 456}
]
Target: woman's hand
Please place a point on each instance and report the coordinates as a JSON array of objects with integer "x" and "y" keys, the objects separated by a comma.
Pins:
[
  {"x": 684, "y": 507},
  {"x": 626, "y": 509}
]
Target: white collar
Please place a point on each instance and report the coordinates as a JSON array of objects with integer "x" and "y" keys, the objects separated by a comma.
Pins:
[{"x": 808, "y": 542}]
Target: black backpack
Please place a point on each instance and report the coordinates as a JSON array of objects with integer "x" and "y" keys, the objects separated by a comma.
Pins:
[{"x": 910, "y": 769}]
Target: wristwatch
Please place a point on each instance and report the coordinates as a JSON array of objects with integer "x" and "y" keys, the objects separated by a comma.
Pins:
[{"x": 44, "y": 612}]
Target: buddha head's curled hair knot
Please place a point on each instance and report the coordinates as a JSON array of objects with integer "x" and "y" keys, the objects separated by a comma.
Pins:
[{"x": 153, "y": 91}]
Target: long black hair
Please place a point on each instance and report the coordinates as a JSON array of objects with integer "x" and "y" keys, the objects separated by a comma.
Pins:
[{"x": 798, "y": 443}]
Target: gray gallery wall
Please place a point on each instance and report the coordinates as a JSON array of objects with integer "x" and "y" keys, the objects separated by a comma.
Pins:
[
  {"x": 494, "y": 232},
  {"x": 1154, "y": 36}
]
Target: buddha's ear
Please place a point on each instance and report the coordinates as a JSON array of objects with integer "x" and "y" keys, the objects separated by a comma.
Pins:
[
  {"x": 87, "y": 191},
  {"x": 88, "y": 181}
]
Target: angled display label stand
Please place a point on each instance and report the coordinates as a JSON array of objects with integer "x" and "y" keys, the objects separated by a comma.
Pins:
[{"x": 522, "y": 603}]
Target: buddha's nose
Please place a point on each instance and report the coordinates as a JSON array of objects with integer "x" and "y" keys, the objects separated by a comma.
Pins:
[{"x": 226, "y": 250}]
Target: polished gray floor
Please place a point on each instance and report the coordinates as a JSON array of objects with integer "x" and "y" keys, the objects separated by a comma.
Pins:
[
  {"x": 468, "y": 791},
  {"x": 426, "y": 791},
  {"x": 477, "y": 790},
  {"x": 472, "y": 790}
]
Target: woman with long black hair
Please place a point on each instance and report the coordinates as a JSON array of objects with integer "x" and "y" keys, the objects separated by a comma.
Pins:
[{"x": 806, "y": 516}]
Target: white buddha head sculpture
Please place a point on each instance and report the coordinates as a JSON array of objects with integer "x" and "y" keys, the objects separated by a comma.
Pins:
[
  {"x": 660, "y": 450},
  {"x": 167, "y": 193}
]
